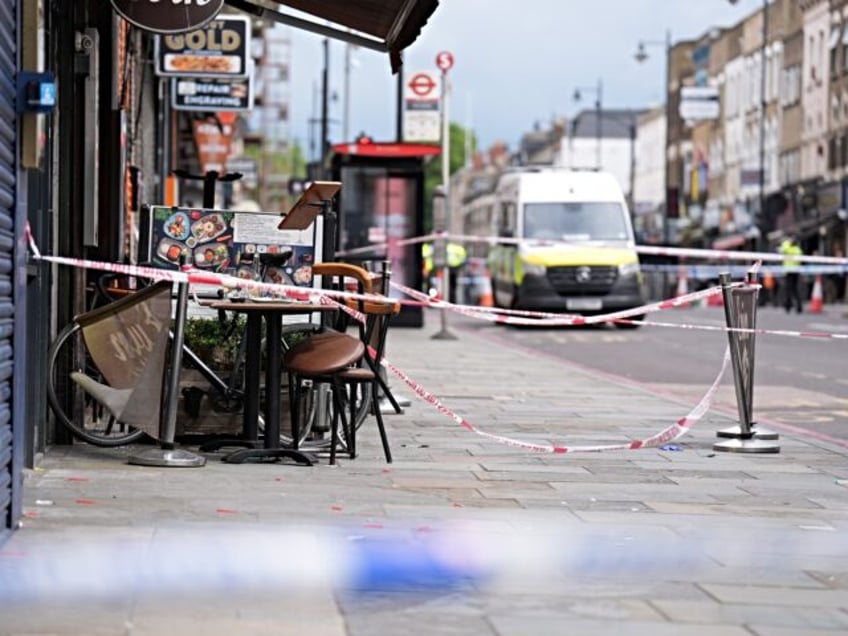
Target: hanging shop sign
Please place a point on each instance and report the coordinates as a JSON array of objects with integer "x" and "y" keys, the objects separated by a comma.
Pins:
[
  {"x": 249, "y": 169},
  {"x": 219, "y": 49},
  {"x": 168, "y": 16},
  {"x": 213, "y": 141},
  {"x": 211, "y": 94}
]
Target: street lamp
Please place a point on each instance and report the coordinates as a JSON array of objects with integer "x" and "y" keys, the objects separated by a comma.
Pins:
[
  {"x": 641, "y": 56},
  {"x": 763, "y": 70},
  {"x": 599, "y": 92}
]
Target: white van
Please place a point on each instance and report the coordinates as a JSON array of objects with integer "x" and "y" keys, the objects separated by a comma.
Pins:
[{"x": 577, "y": 252}]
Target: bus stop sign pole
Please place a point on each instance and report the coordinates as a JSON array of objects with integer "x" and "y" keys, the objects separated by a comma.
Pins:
[{"x": 441, "y": 213}]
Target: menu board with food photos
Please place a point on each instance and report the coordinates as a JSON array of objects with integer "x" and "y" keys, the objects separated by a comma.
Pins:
[{"x": 244, "y": 244}]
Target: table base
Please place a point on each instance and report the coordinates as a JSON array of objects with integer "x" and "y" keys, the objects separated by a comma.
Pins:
[{"x": 299, "y": 457}]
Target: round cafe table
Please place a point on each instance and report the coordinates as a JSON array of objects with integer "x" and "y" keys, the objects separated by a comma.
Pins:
[{"x": 272, "y": 313}]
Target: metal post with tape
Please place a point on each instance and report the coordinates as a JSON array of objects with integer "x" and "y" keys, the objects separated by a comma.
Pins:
[
  {"x": 740, "y": 312},
  {"x": 440, "y": 257},
  {"x": 388, "y": 404},
  {"x": 167, "y": 455}
]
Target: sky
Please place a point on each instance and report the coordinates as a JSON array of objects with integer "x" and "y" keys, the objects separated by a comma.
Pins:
[{"x": 517, "y": 63}]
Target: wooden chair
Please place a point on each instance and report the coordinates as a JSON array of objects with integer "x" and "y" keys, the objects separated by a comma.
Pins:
[
  {"x": 316, "y": 359},
  {"x": 378, "y": 316},
  {"x": 321, "y": 359},
  {"x": 347, "y": 277}
]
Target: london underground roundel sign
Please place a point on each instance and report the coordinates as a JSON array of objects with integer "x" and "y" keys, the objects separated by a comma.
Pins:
[{"x": 168, "y": 16}]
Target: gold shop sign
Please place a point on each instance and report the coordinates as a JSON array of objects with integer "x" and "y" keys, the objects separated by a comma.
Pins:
[{"x": 219, "y": 49}]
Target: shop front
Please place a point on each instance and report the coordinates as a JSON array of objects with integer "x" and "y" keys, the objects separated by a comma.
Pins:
[{"x": 78, "y": 176}]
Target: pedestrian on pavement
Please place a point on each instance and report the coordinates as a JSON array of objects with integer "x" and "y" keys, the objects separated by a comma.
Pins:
[{"x": 791, "y": 263}]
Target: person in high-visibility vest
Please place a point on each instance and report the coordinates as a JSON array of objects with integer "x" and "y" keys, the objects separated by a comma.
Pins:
[
  {"x": 791, "y": 263},
  {"x": 456, "y": 257}
]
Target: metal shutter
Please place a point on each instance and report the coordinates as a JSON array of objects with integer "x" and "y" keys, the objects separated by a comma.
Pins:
[{"x": 9, "y": 480}]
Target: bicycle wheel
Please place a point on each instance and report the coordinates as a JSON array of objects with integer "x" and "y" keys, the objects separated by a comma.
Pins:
[{"x": 83, "y": 416}]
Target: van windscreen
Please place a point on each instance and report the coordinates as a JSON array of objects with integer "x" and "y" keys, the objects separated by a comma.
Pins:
[{"x": 576, "y": 221}]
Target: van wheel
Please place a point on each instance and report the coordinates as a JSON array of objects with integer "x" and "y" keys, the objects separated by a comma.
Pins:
[{"x": 635, "y": 324}]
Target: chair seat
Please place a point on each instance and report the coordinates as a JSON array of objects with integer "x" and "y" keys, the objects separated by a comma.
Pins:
[
  {"x": 336, "y": 366},
  {"x": 323, "y": 354},
  {"x": 356, "y": 374}
]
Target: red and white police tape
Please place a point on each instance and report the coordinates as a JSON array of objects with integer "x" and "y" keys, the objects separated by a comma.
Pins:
[
  {"x": 549, "y": 319},
  {"x": 668, "y": 434},
  {"x": 654, "y": 250},
  {"x": 545, "y": 319}
]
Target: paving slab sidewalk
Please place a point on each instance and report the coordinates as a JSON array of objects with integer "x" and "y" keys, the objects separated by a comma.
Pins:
[{"x": 460, "y": 535}]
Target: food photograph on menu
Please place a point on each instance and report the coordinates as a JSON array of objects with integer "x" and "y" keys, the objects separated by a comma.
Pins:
[{"x": 243, "y": 244}]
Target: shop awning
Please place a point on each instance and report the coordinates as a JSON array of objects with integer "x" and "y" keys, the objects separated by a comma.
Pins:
[
  {"x": 383, "y": 25},
  {"x": 807, "y": 227}
]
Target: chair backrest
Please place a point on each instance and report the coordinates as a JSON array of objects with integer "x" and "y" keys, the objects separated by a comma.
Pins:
[
  {"x": 378, "y": 316},
  {"x": 378, "y": 311},
  {"x": 337, "y": 272},
  {"x": 346, "y": 277}
]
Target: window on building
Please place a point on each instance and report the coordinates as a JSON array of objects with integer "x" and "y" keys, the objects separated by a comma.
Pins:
[
  {"x": 844, "y": 44},
  {"x": 843, "y": 154},
  {"x": 776, "y": 68},
  {"x": 790, "y": 89},
  {"x": 784, "y": 87},
  {"x": 835, "y": 37}
]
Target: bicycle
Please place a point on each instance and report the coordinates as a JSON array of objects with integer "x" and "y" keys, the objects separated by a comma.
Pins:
[{"x": 87, "y": 420}]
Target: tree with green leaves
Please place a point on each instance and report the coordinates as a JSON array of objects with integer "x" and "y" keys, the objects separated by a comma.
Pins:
[{"x": 433, "y": 170}]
